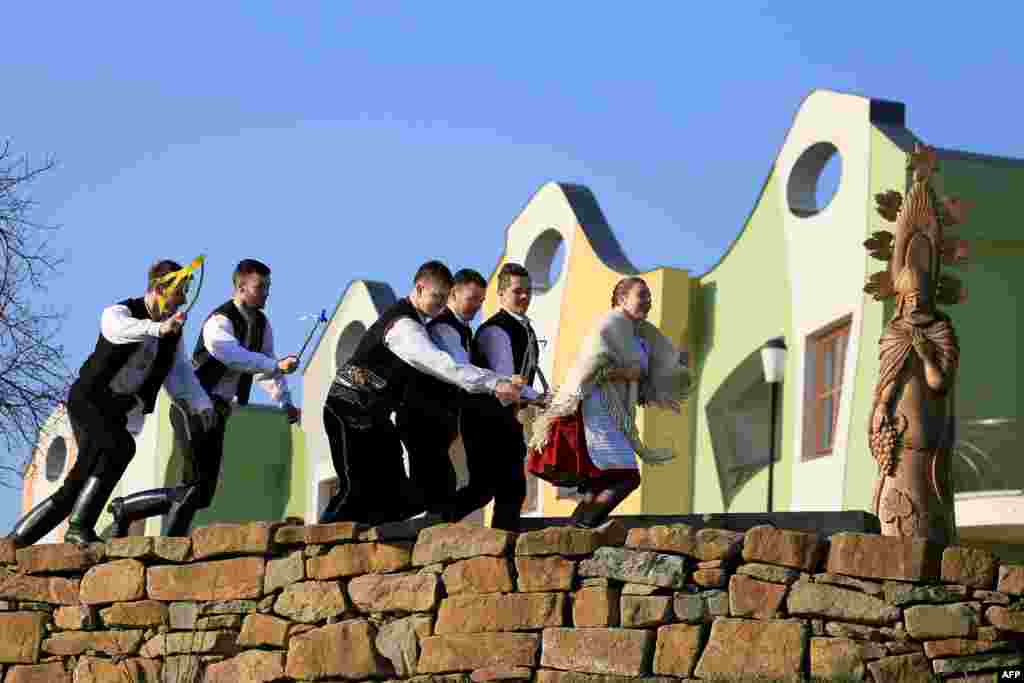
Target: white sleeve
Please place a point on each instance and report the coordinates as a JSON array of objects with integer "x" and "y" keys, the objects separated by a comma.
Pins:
[
  {"x": 219, "y": 339},
  {"x": 410, "y": 342},
  {"x": 496, "y": 346},
  {"x": 119, "y": 327},
  {"x": 449, "y": 340},
  {"x": 273, "y": 383},
  {"x": 183, "y": 385}
]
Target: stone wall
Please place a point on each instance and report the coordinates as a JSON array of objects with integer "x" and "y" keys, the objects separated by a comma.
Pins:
[{"x": 266, "y": 602}]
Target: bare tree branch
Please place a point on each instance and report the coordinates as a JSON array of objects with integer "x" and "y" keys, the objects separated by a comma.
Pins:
[{"x": 34, "y": 376}]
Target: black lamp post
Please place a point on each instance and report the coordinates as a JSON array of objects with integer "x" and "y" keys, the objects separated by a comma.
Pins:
[{"x": 773, "y": 357}]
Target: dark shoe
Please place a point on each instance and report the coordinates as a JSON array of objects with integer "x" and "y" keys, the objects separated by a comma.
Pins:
[
  {"x": 130, "y": 509},
  {"x": 589, "y": 515},
  {"x": 183, "y": 509},
  {"x": 82, "y": 521},
  {"x": 40, "y": 520}
]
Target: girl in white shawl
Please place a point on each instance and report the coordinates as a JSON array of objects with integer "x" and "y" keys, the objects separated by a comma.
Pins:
[{"x": 624, "y": 361}]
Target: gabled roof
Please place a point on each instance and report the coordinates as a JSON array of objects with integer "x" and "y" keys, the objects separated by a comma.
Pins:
[{"x": 381, "y": 296}]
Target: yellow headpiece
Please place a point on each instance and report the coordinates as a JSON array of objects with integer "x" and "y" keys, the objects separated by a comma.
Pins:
[{"x": 174, "y": 282}]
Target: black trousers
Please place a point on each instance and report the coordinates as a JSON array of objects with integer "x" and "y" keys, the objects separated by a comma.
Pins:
[
  {"x": 105, "y": 446},
  {"x": 203, "y": 450},
  {"x": 495, "y": 458},
  {"x": 427, "y": 441},
  {"x": 366, "y": 449}
]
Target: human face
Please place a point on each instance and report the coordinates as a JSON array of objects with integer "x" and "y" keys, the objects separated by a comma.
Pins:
[
  {"x": 466, "y": 299},
  {"x": 429, "y": 297},
  {"x": 916, "y": 309},
  {"x": 253, "y": 290},
  {"x": 173, "y": 300},
  {"x": 637, "y": 302},
  {"x": 516, "y": 297}
]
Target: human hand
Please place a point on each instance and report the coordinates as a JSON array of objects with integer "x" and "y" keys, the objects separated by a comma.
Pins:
[
  {"x": 507, "y": 392},
  {"x": 294, "y": 414},
  {"x": 288, "y": 364},
  {"x": 172, "y": 325}
]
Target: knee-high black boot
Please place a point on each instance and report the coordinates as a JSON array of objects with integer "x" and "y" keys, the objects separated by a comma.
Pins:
[
  {"x": 82, "y": 521},
  {"x": 183, "y": 509},
  {"x": 38, "y": 522},
  {"x": 138, "y": 506}
]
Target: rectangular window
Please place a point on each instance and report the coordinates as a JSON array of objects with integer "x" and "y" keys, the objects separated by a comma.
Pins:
[{"x": 826, "y": 356}]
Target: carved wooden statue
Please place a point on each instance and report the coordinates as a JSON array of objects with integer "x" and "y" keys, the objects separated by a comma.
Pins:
[{"x": 911, "y": 428}]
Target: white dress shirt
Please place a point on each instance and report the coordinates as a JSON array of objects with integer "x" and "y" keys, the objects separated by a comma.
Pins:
[
  {"x": 448, "y": 339},
  {"x": 496, "y": 346},
  {"x": 119, "y": 327},
  {"x": 221, "y": 343},
  {"x": 409, "y": 341}
]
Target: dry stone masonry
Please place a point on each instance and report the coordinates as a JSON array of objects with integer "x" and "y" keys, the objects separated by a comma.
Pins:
[{"x": 259, "y": 603}]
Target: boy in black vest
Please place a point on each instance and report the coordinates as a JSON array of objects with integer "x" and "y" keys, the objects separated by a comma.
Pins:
[
  {"x": 492, "y": 433},
  {"x": 235, "y": 344},
  {"x": 139, "y": 349},
  {"x": 426, "y": 441},
  {"x": 387, "y": 374}
]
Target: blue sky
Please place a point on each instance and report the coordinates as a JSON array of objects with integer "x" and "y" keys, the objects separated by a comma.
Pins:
[{"x": 355, "y": 140}]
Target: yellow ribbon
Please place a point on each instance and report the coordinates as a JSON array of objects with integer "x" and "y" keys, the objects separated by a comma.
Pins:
[{"x": 175, "y": 281}]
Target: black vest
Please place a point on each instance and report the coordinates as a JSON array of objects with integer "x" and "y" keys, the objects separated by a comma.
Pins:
[
  {"x": 108, "y": 358},
  {"x": 433, "y": 386},
  {"x": 448, "y": 317},
  {"x": 373, "y": 354},
  {"x": 520, "y": 338},
  {"x": 209, "y": 370}
]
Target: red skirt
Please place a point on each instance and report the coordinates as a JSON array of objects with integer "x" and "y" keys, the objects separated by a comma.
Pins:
[{"x": 565, "y": 460}]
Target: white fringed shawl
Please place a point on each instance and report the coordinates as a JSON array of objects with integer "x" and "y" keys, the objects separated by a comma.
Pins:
[{"x": 610, "y": 345}]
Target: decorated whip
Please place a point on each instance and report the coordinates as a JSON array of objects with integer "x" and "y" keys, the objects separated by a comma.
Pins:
[
  {"x": 178, "y": 281},
  {"x": 322, "y": 318}
]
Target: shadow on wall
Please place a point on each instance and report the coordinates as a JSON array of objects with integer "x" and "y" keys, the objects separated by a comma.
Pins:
[{"x": 739, "y": 424}]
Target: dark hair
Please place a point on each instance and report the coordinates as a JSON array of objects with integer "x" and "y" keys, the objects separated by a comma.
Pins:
[
  {"x": 622, "y": 288},
  {"x": 468, "y": 276},
  {"x": 509, "y": 271},
  {"x": 249, "y": 266},
  {"x": 434, "y": 270},
  {"x": 159, "y": 269}
]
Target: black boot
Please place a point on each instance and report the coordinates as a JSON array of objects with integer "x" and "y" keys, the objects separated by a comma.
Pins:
[
  {"x": 183, "y": 509},
  {"x": 82, "y": 522},
  {"x": 589, "y": 515},
  {"x": 40, "y": 520},
  {"x": 138, "y": 506}
]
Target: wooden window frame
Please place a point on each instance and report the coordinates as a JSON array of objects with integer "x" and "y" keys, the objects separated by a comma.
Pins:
[{"x": 820, "y": 390}]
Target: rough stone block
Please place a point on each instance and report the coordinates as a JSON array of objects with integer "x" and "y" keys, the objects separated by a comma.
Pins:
[
  {"x": 677, "y": 649},
  {"x": 22, "y": 636},
  {"x": 596, "y": 607},
  {"x": 706, "y": 545},
  {"x": 117, "y": 581},
  {"x": 77, "y": 618},
  {"x": 471, "y": 651},
  {"x": 500, "y": 612},
  {"x": 311, "y": 601},
  {"x": 352, "y": 559},
  {"x": 635, "y": 566},
  {"x": 112, "y": 643},
  {"x": 446, "y": 542},
  {"x": 237, "y": 578},
  {"x": 53, "y": 558},
  {"x": 399, "y": 642},
  {"x": 192, "y": 643},
  {"x": 769, "y": 572},
  {"x": 284, "y": 571},
  {"x": 1011, "y": 579},
  {"x": 135, "y": 670},
  {"x": 796, "y": 549},
  {"x": 337, "y": 532},
  {"x": 969, "y": 566},
  {"x": 51, "y": 672},
  {"x": 884, "y": 557},
  {"x": 478, "y": 575},
  {"x": 395, "y": 592},
  {"x": 638, "y": 611},
  {"x": 913, "y": 668},
  {"x": 741, "y": 648},
  {"x": 232, "y": 539},
  {"x": 569, "y": 541},
  {"x": 829, "y": 602},
  {"x": 617, "y": 651},
  {"x": 135, "y": 614},
  {"x": 263, "y": 630},
  {"x": 249, "y": 667},
  {"x": 53, "y": 590},
  {"x": 539, "y": 574},
  {"x": 749, "y": 597},
  {"x": 935, "y": 622}
]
